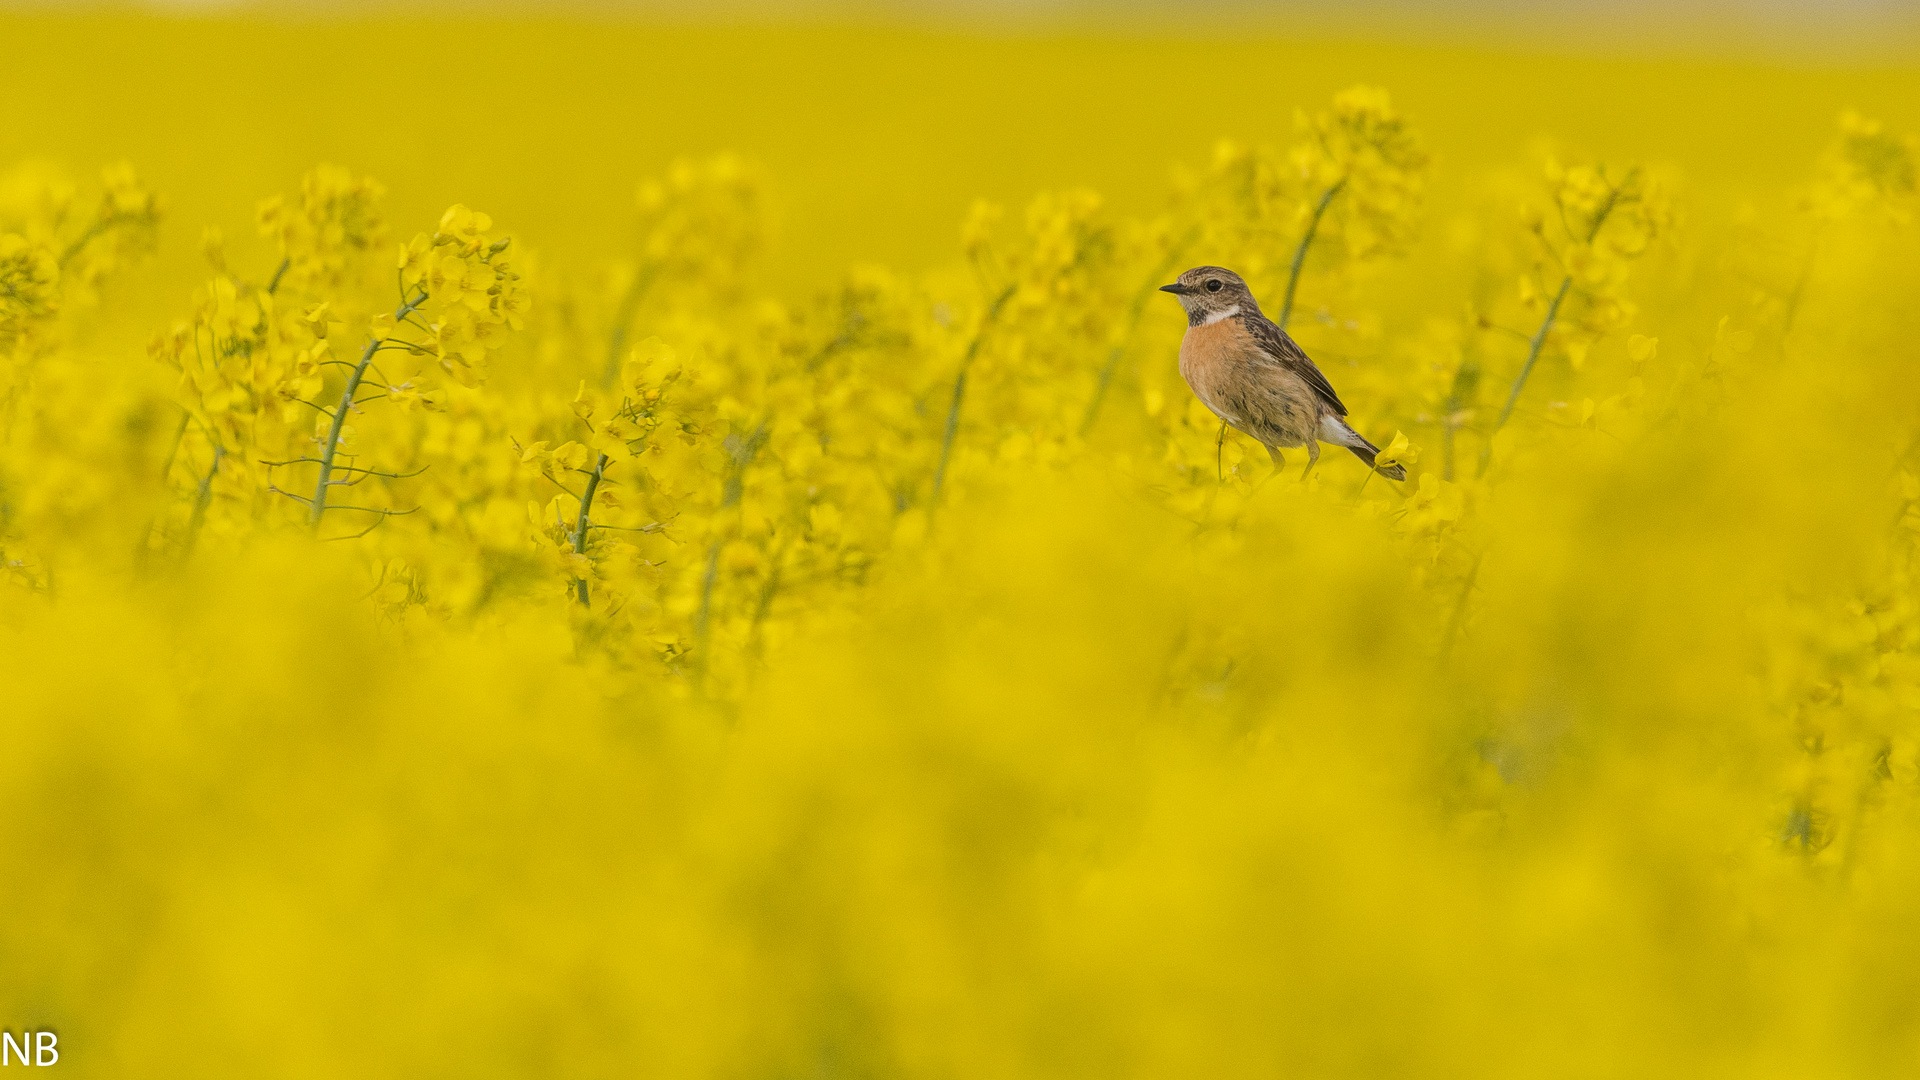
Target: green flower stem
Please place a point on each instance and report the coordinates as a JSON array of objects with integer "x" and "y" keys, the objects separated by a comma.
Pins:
[
  {"x": 319, "y": 506},
  {"x": 767, "y": 593},
  {"x": 1286, "y": 303},
  {"x": 1466, "y": 381},
  {"x": 179, "y": 436},
  {"x": 742, "y": 451},
  {"x": 1300, "y": 253},
  {"x": 706, "y": 600},
  {"x": 581, "y": 525},
  {"x": 94, "y": 232},
  {"x": 1534, "y": 346},
  {"x": 202, "y": 499},
  {"x": 622, "y": 319},
  {"x": 960, "y": 389},
  {"x": 1133, "y": 323},
  {"x": 1539, "y": 339}
]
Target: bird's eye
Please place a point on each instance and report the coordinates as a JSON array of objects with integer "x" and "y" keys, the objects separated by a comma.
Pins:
[{"x": 1213, "y": 285}]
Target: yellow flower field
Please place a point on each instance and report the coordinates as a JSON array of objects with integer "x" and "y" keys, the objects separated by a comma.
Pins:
[{"x": 539, "y": 548}]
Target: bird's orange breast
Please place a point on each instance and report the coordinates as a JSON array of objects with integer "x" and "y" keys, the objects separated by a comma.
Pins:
[{"x": 1209, "y": 354}]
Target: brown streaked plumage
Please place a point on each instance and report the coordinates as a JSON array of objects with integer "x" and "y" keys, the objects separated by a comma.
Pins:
[{"x": 1254, "y": 377}]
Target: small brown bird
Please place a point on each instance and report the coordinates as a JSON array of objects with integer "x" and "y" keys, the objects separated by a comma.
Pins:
[{"x": 1253, "y": 376}]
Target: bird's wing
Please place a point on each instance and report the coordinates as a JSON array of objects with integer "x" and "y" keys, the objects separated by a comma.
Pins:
[{"x": 1284, "y": 351}]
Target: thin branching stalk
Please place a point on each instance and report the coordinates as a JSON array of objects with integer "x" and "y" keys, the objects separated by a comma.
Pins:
[
  {"x": 960, "y": 389},
  {"x": 623, "y": 320},
  {"x": 179, "y": 436},
  {"x": 706, "y": 601},
  {"x": 1800, "y": 288},
  {"x": 1300, "y": 253},
  {"x": 274, "y": 285},
  {"x": 319, "y": 505},
  {"x": 94, "y": 232},
  {"x": 1113, "y": 362},
  {"x": 1466, "y": 382},
  {"x": 1459, "y": 616},
  {"x": 166, "y": 471},
  {"x": 1134, "y": 314},
  {"x": 1539, "y": 339},
  {"x": 1534, "y": 346},
  {"x": 1286, "y": 302},
  {"x": 742, "y": 452},
  {"x": 764, "y": 606},
  {"x": 140, "y": 552},
  {"x": 581, "y": 525},
  {"x": 202, "y": 499}
]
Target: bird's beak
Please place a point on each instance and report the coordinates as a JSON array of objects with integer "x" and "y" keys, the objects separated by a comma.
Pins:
[{"x": 1177, "y": 289}]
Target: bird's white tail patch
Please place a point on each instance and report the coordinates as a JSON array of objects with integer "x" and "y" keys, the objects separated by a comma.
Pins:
[{"x": 1335, "y": 430}]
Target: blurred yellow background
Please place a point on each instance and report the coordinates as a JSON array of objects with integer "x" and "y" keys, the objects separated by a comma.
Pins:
[
  {"x": 778, "y": 611},
  {"x": 875, "y": 139}
]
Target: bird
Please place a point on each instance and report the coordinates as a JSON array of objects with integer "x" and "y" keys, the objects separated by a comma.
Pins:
[{"x": 1256, "y": 378}]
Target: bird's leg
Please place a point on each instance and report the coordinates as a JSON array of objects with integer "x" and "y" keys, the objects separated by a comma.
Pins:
[
  {"x": 1279, "y": 465},
  {"x": 1313, "y": 458}
]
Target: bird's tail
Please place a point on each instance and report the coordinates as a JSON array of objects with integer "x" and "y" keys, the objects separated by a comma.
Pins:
[{"x": 1335, "y": 430}]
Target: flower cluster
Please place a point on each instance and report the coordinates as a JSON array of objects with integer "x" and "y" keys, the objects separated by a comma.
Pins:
[
  {"x": 1345, "y": 194},
  {"x": 29, "y": 277},
  {"x": 52, "y": 251},
  {"x": 1585, "y": 238},
  {"x": 267, "y": 397},
  {"x": 1868, "y": 168},
  {"x": 325, "y": 234},
  {"x": 55, "y": 256},
  {"x": 1368, "y": 155},
  {"x": 922, "y": 647},
  {"x": 465, "y": 283}
]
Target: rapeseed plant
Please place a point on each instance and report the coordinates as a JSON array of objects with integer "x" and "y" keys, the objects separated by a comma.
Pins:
[
  {"x": 906, "y": 680},
  {"x": 1585, "y": 201},
  {"x": 1348, "y": 192}
]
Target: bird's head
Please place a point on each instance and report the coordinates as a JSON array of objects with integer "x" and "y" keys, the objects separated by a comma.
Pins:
[{"x": 1211, "y": 293}]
